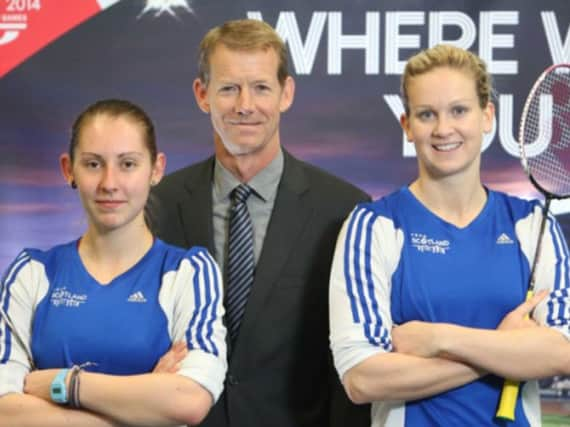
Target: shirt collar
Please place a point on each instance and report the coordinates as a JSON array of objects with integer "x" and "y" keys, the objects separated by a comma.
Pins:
[{"x": 264, "y": 184}]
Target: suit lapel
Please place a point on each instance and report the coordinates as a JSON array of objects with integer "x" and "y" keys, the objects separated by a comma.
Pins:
[
  {"x": 195, "y": 207},
  {"x": 290, "y": 214}
]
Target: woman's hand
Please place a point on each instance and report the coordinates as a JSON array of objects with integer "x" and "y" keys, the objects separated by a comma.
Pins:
[
  {"x": 170, "y": 362},
  {"x": 519, "y": 318},
  {"x": 37, "y": 383},
  {"x": 416, "y": 338}
]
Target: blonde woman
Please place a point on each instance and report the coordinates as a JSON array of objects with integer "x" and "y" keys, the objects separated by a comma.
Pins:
[{"x": 428, "y": 283}]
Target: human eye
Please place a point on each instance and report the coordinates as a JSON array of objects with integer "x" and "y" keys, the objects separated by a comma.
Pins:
[
  {"x": 459, "y": 110},
  {"x": 228, "y": 89},
  {"x": 262, "y": 87},
  {"x": 424, "y": 115},
  {"x": 91, "y": 164},
  {"x": 128, "y": 164}
]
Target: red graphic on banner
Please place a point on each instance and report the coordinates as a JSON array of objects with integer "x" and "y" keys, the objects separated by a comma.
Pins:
[{"x": 26, "y": 26}]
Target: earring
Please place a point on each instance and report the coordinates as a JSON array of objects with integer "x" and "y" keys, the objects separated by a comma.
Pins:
[{"x": 72, "y": 184}]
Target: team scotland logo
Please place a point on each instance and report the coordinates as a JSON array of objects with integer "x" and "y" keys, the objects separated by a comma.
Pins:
[
  {"x": 423, "y": 243},
  {"x": 61, "y": 297}
]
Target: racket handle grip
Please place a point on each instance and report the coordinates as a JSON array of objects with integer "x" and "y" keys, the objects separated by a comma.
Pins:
[
  {"x": 508, "y": 400},
  {"x": 510, "y": 392}
]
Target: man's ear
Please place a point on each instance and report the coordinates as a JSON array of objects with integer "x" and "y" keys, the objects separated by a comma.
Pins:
[
  {"x": 201, "y": 95},
  {"x": 287, "y": 94}
]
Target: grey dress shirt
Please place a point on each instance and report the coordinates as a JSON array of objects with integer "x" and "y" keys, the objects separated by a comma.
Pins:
[{"x": 259, "y": 204}]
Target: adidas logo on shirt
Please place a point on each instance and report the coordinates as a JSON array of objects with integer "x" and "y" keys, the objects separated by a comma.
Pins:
[
  {"x": 503, "y": 239},
  {"x": 137, "y": 297}
]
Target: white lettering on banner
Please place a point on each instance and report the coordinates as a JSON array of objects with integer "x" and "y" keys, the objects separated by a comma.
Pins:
[
  {"x": 303, "y": 54},
  {"x": 439, "y": 20},
  {"x": 559, "y": 53},
  {"x": 396, "y": 41},
  {"x": 488, "y": 40},
  {"x": 22, "y": 5},
  {"x": 508, "y": 141},
  {"x": 397, "y": 107},
  {"x": 544, "y": 135},
  {"x": 369, "y": 41},
  {"x": 12, "y": 25},
  {"x": 16, "y": 19}
]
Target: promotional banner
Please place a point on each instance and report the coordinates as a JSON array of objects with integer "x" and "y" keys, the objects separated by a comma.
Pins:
[{"x": 347, "y": 57}]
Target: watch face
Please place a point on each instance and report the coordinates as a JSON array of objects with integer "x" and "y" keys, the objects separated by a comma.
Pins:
[{"x": 58, "y": 391}]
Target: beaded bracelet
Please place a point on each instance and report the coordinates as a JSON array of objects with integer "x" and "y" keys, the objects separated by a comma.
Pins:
[{"x": 73, "y": 395}]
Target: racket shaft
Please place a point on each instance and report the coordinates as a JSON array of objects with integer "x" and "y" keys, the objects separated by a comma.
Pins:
[
  {"x": 510, "y": 392},
  {"x": 508, "y": 401}
]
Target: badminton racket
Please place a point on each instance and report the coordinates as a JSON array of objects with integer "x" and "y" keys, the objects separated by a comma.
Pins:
[{"x": 544, "y": 140}]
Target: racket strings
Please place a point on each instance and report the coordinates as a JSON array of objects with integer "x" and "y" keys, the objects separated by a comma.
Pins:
[{"x": 545, "y": 131}]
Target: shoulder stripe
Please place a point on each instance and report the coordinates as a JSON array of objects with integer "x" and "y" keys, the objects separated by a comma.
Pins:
[
  {"x": 192, "y": 334},
  {"x": 562, "y": 255},
  {"x": 203, "y": 284},
  {"x": 9, "y": 278},
  {"x": 379, "y": 335},
  {"x": 347, "y": 277},
  {"x": 557, "y": 305},
  {"x": 14, "y": 268},
  {"x": 216, "y": 288},
  {"x": 360, "y": 284}
]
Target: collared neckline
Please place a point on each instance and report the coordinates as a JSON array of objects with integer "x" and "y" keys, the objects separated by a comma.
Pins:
[{"x": 264, "y": 184}]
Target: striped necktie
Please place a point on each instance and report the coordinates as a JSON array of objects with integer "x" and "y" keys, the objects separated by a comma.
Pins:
[{"x": 240, "y": 259}]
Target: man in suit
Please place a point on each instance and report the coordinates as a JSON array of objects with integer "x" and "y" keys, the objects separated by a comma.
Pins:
[{"x": 280, "y": 369}]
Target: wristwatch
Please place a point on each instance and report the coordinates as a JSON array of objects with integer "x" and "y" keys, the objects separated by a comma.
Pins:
[{"x": 58, "y": 389}]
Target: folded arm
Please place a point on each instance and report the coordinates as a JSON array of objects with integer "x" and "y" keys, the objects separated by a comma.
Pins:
[
  {"x": 519, "y": 348},
  {"x": 24, "y": 410},
  {"x": 394, "y": 376},
  {"x": 361, "y": 321},
  {"x": 155, "y": 399},
  {"x": 145, "y": 400},
  {"x": 34, "y": 408},
  {"x": 521, "y": 354}
]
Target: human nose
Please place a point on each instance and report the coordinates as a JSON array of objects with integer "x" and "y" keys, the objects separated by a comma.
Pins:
[
  {"x": 108, "y": 180},
  {"x": 245, "y": 102},
  {"x": 443, "y": 126}
]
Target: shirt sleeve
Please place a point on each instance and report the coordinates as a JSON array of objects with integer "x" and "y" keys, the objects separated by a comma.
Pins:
[
  {"x": 197, "y": 319},
  {"x": 360, "y": 287},
  {"x": 19, "y": 289},
  {"x": 552, "y": 273}
]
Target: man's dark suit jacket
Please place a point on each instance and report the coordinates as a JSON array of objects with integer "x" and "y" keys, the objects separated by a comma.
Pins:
[{"x": 280, "y": 371}]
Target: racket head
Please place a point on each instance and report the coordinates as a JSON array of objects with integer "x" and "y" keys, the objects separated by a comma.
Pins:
[{"x": 544, "y": 132}]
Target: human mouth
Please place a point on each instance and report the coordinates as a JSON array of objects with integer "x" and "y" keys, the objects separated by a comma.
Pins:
[
  {"x": 447, "y": 147},
  {"x": 246, "y": 125},
  {"x": 109, "y": 204},
  {"x": 243, "y": 123}
]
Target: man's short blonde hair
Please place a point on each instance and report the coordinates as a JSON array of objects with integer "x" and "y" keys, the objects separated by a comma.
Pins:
[{"x": 242, "y": 35}]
